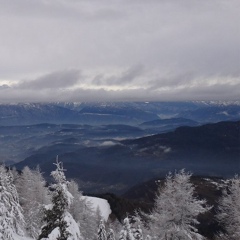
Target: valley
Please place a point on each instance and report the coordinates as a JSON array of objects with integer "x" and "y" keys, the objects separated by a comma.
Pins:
[{"x": 111, "y": 156}]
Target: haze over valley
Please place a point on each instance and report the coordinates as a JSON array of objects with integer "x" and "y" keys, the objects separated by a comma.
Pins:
[{"x": 113, "y": 146}]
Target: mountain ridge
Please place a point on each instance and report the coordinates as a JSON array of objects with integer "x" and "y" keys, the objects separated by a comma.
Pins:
[
  {"x": 131, "y": 113},
  {"x": 211, "y": 149}
]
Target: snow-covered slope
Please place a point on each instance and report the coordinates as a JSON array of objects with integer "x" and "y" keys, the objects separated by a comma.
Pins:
[
  {"x": 16, "y": 237},
  {"x": 103, "y": 205}
]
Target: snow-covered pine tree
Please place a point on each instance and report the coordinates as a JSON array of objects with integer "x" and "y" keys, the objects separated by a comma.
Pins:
[
  {"x": 54, "y": 217},
  {"x": 15, "y": 174},
  {"x": 148, "y": 237},
  {"x": 122, "y": 235},
  {"x": 138, "y": 234},
  {"x": 102, "y": 235},
  {"x": 117, "y": 227},
  {"x": 76, "y": 207},
  {"x": 58, "y": 221},
  {"x": 82, "y": 211},
  {"x": 32, "y": 196},
  {"x": 41, "y": 192},
  {"x": 88, "y": 224},
  {"x": 110, "y": 234},
  {"x": 137, "y": 226},
  {"x": 176, "y": 209},
  {"x": 126, "y": 232},
  {"x": 229, "y": 210},
  {"x": 11, "y": 217}
]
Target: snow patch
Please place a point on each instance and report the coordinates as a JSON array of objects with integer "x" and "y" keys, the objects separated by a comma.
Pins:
[
  {"x": 224, "y": 113},
  {"x": 166, "y": 116},
  {"x": 108, "y": 143},
  {"x": 54, "y": 234},
  {"x": 102, "y": 204},
  {"x": 17, "y": 237},
  {"x": 167, "y": 150},
  {"x": 72, "y": 227}
]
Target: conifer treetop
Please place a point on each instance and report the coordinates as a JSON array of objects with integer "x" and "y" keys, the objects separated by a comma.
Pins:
[{"x": 58, "y": 174}]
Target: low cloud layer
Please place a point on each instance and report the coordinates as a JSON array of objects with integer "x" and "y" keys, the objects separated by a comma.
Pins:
[
  {"x": 55, "y": 81},
  {"x": 120, "y": 50},
  {"x": 71, "y": 86}
]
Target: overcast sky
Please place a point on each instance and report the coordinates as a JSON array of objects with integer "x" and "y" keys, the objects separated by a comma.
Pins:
[{"x": 114, "y": 50}]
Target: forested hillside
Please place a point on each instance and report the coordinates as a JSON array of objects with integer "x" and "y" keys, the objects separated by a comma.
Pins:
[{"x": 32, "y": 210}]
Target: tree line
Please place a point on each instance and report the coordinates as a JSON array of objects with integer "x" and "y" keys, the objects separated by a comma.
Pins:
[{"x": 60, "y": 212}]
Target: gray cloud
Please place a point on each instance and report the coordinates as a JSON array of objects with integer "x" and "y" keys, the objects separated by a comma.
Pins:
[
  {"x": 126, "y": 77},
  {"x": 55, "y": 80},
  {"x": 197, "y": 92},
  {"x": 171, "y": 81},
  {"x": 4, "y": 86},
  {"x": 182, "y": 46}
]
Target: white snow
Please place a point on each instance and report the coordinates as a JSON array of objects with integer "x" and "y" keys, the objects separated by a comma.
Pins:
[
  {"x": 72, "y": 227},
  {"x": 54, "y": 234},
  {"x": 102, "y": 204},
  {"x": 108, "y": 143},
  {"x": 17, "y": 237},
  {"x": 224, "y": 113}
]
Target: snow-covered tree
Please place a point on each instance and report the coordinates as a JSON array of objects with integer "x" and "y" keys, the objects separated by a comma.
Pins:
[
  {"x": 137, "y": 233},
  {"x": 116, "y": 226},
  {"x": 102, "y": 234},
  {"x": 126, "y": 232},
  {"x": 82, "y": 211},
  {"x": 176, "y": 209},
  {"x": 58, "y": 221},
  {"x": 11, "y": 217},
  {"x": 88, "y": 224},
  {"x": 122, "y": 235},
  {"x": 32, "y": 196},
  {"x": 229, "y": 210},
  {"x": 15, "y": 174},
  {"x": 148, "y": 237},
  {"x": 138, "y": 226},
  {"x": 76, "y": 206},
  {"x": 110, "y": 234}
]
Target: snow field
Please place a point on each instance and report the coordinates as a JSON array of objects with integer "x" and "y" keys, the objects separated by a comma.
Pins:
[{"x": 102, "y": 204}]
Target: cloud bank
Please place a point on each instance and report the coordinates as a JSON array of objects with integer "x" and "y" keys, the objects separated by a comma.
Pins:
[{"x": 120, "y": 50}]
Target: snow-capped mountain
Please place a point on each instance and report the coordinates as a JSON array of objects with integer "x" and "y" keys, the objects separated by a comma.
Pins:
[{"x": 132, "y": 113}]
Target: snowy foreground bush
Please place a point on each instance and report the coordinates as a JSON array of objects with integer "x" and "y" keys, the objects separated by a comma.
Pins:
[{"x": 29, "y": 210}]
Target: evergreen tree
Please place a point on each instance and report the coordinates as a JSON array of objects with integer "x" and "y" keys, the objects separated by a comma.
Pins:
[
  {"x": 57, "y": 217},
  {"x": 110, "y": 234},
  {"x": 11, "y": 217},
  {"x": 122, "y": 235},
  {"x": 116, "y": 226},
  {"x": 176, "y": 209},
  {"x": 102, "y": 235},
  {"x": 32, "y": 196},
  {"x": 229, "y": 210},
  {"x": 148, "y": 237},
  {"x": 88, "y": 224},
  {"x": 76, "y": 207},
  {"x": 126, "y": 233},
  {"x": 137, "y": 226},
  {"x": 82, "y": 212},
  {"x": 138, "y": 235},
  {"x": 54, "y": 217}
]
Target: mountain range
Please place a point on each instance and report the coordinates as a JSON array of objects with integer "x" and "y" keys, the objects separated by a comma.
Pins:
[
  {"x": 210, "y": 150},
  {"x": 130, "y": 113},
  {"x": 113, "y": 146}
]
